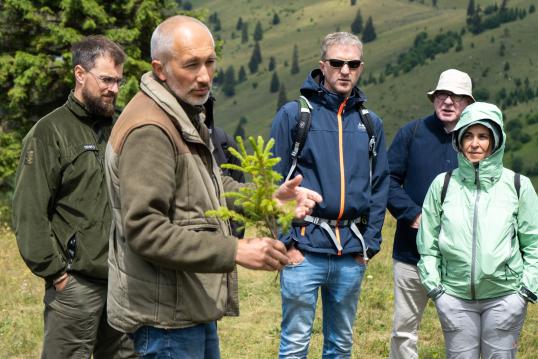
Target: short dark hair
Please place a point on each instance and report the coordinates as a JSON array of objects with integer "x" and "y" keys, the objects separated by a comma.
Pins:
[{"x": 91, "y": 47}]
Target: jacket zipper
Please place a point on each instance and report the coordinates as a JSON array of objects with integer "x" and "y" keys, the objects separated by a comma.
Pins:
[
  {"x": 339, "y": 118},
  {"x": 475, "y": 222}
]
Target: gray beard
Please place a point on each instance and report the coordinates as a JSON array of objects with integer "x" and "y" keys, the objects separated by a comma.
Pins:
[{"x": 96, "y": 106}]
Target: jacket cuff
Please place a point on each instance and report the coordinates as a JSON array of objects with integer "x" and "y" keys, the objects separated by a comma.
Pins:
[
  {"x": 527, "y": 294},
  {"x": 436, "y": 292}
]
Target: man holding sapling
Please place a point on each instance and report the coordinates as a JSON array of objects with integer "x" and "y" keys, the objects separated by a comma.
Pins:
[
  {"x": 172, "y": 268},
  {"x": 337, "y": 146}
]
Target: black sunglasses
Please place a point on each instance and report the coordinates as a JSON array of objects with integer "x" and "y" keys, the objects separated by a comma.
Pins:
[{"x": 337, "y": 64}]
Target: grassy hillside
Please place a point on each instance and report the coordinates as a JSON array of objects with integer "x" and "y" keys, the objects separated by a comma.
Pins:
[
  {"x": 255, "y": 334},
  {"x": 397, "y": 22}
]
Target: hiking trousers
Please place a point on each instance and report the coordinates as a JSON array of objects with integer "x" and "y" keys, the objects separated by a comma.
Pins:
[
  {"x": 76, "y": 324},
  {"x": 410, "y": 300},
  {"x": 490, "y": 327}
]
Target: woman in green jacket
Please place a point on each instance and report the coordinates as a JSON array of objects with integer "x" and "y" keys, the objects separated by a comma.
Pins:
[{"x": 479, "y": 242}]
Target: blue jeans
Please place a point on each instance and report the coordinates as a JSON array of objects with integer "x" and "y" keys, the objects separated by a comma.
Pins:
[
  {"x": 198, "y": 342},
  {"x": 339, "y": 278}
]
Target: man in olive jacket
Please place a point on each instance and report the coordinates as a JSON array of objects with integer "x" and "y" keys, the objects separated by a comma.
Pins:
[
  {"x": 61, "y": 212},
  {"x": 172, "y": 269}
]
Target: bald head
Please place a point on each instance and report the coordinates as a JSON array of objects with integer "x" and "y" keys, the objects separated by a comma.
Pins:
[{"x": 175, "y": 33}]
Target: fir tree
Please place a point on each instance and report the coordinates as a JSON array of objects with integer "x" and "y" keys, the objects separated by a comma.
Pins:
[
  {"x": 258, "y": 32},
  {"x": 356, "y": 25},
  {"x": 272, "y": 63},
  {"x": 369, "y": 34},
  {"x": 242, "y": 75},
  {"x": 255, "y": 58},
  {"x": 228, "y": 85},
  {"x": 275, "y": 83},
  {"x": 276, "y": 19},
  {"x": 470, "y": 8},
  {"x": 295, "y": 60},
  {"x": 282, "y": 97},
  {"x": 353, "y": 2},
  {"x": 244, "y": 33},
  {"x": 239, "y": 24}
]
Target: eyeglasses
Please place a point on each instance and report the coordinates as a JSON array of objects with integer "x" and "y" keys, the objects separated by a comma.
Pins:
[
  {"x": 108, "y": 81},
  {"x": 338, "y": 64},
  {"x": 442, "y": 95}
]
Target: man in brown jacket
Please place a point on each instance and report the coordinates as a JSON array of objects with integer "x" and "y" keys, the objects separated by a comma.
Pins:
[{"x": 172, "y": 269}]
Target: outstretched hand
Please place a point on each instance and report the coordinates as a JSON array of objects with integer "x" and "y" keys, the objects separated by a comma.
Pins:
[{"x": 305, "y": 198}]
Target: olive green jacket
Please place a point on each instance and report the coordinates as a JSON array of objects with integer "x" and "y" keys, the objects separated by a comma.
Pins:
[
  {"x": 170, "y": 265},
  {"x": 60, "y": 194}
]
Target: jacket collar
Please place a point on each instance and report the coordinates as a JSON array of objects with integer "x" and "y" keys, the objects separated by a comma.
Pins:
[
  {"x": 489, "y": 170},
  {"x": 314, "y": 90},
  {"x": 179, "y": 111},
  {"x": 82, "y": 113}
]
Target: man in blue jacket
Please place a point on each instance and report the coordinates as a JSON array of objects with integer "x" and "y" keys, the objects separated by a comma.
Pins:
[
  {"x": 419, "y": 152},
  {"x": 331, "y": 248}
]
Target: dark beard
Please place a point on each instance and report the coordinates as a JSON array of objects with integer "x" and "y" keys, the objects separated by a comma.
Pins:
[{"x": 96, "y": 106}]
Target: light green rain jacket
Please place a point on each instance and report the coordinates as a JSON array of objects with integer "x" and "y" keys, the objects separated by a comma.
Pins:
[{"x": 482, "y": 242}]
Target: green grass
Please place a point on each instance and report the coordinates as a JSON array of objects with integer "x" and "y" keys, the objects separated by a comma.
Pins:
[{"x": 255, "y": 334}]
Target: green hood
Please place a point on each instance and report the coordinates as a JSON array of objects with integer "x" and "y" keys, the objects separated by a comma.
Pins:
[{"x": 490, "y": 168}]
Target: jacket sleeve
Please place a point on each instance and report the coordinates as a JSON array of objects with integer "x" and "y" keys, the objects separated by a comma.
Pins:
[
  {"x": 146, "y": 202},
  {"x": 36, "y": 185},
  {"x": 379, "y": 193},
  {"x": 428, "y": 240},
  {"x": 400, "y": 205},
  {"x": 527, "y": 220}
]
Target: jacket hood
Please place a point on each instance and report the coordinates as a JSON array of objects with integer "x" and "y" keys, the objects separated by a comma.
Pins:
[
  {"x": 313, "y": 87},
  {"x": 490, "y": 168}
]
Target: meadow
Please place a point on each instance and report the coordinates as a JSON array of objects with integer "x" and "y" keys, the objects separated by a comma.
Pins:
[{"x": 253, "y": 335}]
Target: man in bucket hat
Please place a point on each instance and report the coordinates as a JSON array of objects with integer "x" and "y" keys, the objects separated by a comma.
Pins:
[{"x": 419, "y": 152}]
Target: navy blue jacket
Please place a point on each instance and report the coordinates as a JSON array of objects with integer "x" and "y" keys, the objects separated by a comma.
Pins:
[
  {"x": 320, "y": 165},
  {"x": 419, "y": 152}
]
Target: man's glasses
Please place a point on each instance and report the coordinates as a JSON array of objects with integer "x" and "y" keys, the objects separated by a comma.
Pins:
[
  {"x": 338, "y": 64},
  {"x": 442, "y": 95},
  {"x": 108, "y": 81}
]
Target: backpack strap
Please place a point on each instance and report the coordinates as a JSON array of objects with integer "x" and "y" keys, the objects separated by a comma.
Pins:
[
  {"x": 517, "y": 183},
  {"x": 448, "y": 175},
  {"x": 301, "y": 132},
  {"x": 366, "y": 120}
]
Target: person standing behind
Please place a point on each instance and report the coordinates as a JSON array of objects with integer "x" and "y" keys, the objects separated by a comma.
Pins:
[
  {"x": 420, "y": 151},
  {"x": 478, "y": 242},
  {"x": 331, "y": 248},
  {"x": 61, "y": 212},
  {"x": 172, "y": 268}
]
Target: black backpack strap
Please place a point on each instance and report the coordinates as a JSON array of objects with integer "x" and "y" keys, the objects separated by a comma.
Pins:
[
  {"x": 445, "y": 186},
  {"x": 366, "y": 120},
  {"x": 301, "y": 132},
  {"x": 517, "y": 183}
]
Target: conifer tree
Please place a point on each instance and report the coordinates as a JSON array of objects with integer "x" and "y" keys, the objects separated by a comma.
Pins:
[
  {"x": 275, "y": 83},
  {"x": 258, "y": 32},
  {"x": 255, "y": 58},
  {"x": 228, "y": 85},
  {"x": 470, "y": 8},
  {"x": 356, "y": 25},
  {"x": 272, "y": 63},
  {"x": 242, "y": 75},
  {"x": 295, "y": 60},
  {"x": 353, "y": 2},
  {"x": 276, "y": 19},
  {"x": 239, "y": 24},
  {"x": 244, "y": 33},
  {"x": 282, "y": 97},
  {"x": 369, "y": 34}
]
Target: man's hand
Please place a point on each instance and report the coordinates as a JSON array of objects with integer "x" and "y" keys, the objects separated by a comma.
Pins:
[
  {"x": 60, "y": 282},
  {"x": 261, "y": 253},
  {"x": 295, "y": 256},
  {"x": 306, "y": 198},
  {"x": 416, "y": 223}
]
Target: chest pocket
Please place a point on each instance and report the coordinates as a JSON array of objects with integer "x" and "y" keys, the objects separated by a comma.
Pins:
[{"x": 80, "y": 161}]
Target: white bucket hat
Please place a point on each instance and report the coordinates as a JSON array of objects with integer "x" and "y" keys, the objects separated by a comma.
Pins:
[{"x": 455, "y": 81}]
